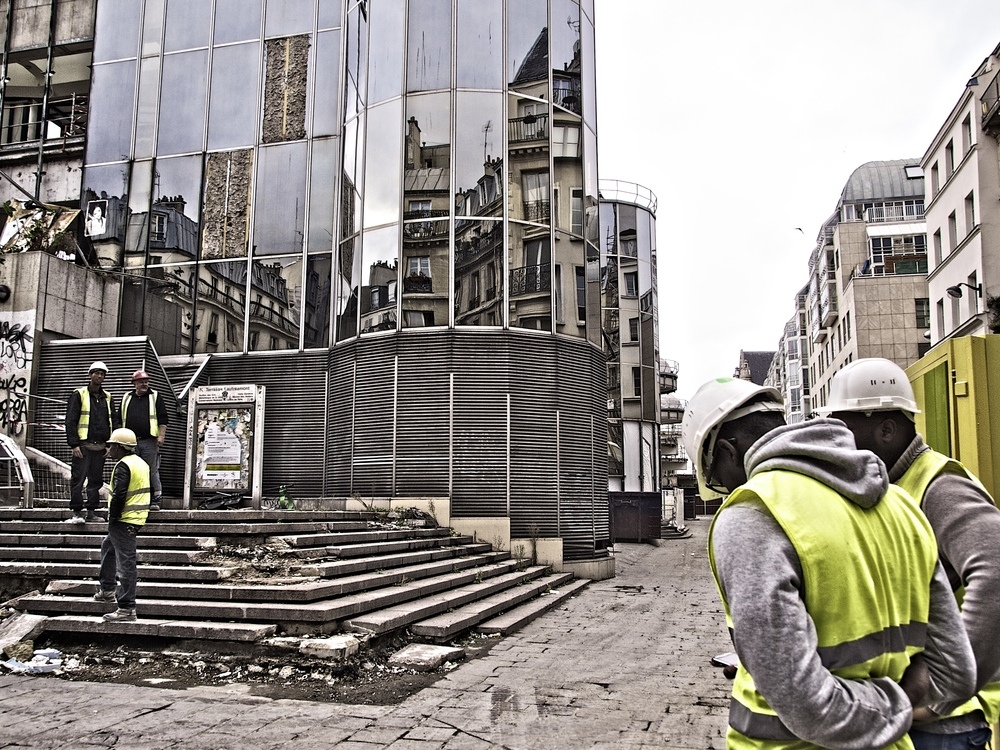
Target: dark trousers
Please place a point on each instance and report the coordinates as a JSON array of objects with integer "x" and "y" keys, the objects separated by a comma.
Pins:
[
  {"x": 148, "y": 451},
  {"x": 90, "y": 469},
  {"x": 118, "y": 560}
]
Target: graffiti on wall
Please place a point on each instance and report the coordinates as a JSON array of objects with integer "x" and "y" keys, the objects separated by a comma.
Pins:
[{"x": 15, "y": 370}]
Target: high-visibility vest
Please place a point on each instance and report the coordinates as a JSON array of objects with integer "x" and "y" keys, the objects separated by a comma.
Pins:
[
  {"x": 154, "y": 425},
  {"x": 137, "y": 499},
  {"x": 866, "y": 575},
  {"x": 83, "y": 426},
  {"x": 926, "y": 468}
]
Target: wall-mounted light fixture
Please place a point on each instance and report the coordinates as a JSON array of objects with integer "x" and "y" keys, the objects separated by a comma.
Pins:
[
  {"x": 956, "y": 291},
  {"x": 4, "y": 292}
]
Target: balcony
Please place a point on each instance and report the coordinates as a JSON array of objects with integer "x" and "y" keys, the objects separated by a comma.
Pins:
[
  {"x": 528, "y": 128},
  {"x": 536, "y": 211},
  {"x": 882, "y": 214},
  {"x": 65, "y": 118},
  {"x": 530, "y": 280},
  {"x": 436, "y": 228},
  {"x": 672, "y": 410},
  {"x": 418, "y": 284},
  {"x": 990, "y": 103}
]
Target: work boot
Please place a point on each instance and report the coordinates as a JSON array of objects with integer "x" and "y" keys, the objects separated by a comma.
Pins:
[
  {"x": 121, "y": 615},
  {"x": 93, "y": 516},
  {"x": 105, "y": 596},
  {"x": 77, "y": 517}
]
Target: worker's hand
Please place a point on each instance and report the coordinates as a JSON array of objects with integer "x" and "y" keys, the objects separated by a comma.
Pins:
[
  {"x": 160, "y": 439},
  {"x": 916, "y": 680},
  {"x": 77, "y": 453},
  {"x": 729, "y": 672}
]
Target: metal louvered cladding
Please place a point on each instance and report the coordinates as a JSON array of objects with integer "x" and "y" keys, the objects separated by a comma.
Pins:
[
  {"x": 294, "y": 413},
  {"x": 423, "y": 416},
  {"x": 374, "y": 393},
  {"x": 340, "y": 420},
  {"x": 534, "y": 441}
]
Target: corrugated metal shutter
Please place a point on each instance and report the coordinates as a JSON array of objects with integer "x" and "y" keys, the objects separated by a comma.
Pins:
[
  {"x": 481, "y": 366},
  {"x": 423, "y": 421},
  {"x": 374, "y": 390},
  {"x": 340, "y": 420},
  {"x": 294, "y": 413}
]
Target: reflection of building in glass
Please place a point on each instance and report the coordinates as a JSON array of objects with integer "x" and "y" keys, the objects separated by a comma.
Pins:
[
  {"x": 631, "y": 336},
  {"x": 403, "y": 196}
]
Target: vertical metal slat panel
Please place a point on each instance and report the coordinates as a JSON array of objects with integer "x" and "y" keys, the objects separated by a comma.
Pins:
[{"x": 373, "y": 428}]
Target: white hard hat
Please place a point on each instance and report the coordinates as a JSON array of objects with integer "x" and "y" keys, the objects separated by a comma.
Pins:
[
  {"x": 124, "y": 437},
  {"x": 872, "y": 384},
  {"x": 716, "y": 402},
  {"x": 98, "y": 366}
]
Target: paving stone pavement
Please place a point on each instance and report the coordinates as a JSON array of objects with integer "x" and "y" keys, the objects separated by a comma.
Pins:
[{"x": 623, "y": 665}]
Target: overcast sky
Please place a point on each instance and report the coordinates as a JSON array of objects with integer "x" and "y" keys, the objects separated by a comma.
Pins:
[{"x": 746, "y": 119}]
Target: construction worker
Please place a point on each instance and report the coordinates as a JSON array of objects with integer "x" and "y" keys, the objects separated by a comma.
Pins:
[
  {"x": 144, "y": 412},
  {"x": 127, "y": 510},
  {"x": 91, "y": 415},
  {"x": 873, "y": 397},
  {"x": 840, "y": 614}
]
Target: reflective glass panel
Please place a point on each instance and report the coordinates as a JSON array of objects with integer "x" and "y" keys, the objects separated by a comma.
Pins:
[
  {"x": 569, "y": 285},
  {"x": 287, "y": 17},
  {"x": 152, "y": 27},
  {"x": 139, "y": 196},
  {"x": 174, "y": 228},
  {"x": 591, "y": 194},
  {"x": 326, "y": 84},
  {"x": 117, "y": 30},
  {"x": 383, "y": 157},
  {"x": 166, "y": 309},
  {"x": 357, "y": 62},
  {"x": 279, "y": 208},
  {"x": 233, "y": 112},
  {"x": 189, "y": 23},
  {"x": 566, "y": 55},
  {"x": 322, "y": 196},
  {"x": 479, "y": 154},
  {"x": 479, "y": 272},
  {"x": 149, "y": 94},
  {"x": 182, "y": 103},
  {"x": 353, "y": 179},
  {"x": 385, "y": 77},
  {"x": 347, "y": 281},
  {"x": 479, "y": 61},
  {"x": 329, "y": 13},
  {"x": 236, "y": 21},
  {"x": 428, "y": 49},
  {"x": 316, "y": 303},
  {"x": 528, "y": 47},
  {"x": 220, "y": 313},
  {"x": 275, "y": 292},
  {"x": 379, "y": 274},
  {"x": 112, "y": 98},
  {"x": 530, "y": 277},
  {"x": 589, "y": 79}
]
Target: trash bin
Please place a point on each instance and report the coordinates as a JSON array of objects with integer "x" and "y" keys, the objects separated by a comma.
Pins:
[{"x": 689, "y": 509}]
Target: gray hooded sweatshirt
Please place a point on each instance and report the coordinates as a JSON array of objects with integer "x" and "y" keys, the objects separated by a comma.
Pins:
[{"x": 775, "y": 637}]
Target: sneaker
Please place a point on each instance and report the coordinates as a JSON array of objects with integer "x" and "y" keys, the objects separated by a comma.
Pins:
[
  {"x": 105, "y": 596},
  {"x": 154, "y": 506},
  {"x": 121, "y": 615},
  {"x": 75, "y": 518}
]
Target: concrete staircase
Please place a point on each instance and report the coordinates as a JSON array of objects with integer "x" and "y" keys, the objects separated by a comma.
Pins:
[{"x": 245, "y": 575}]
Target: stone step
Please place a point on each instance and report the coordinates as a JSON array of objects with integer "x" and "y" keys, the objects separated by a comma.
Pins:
[
  {"x": 205, "y": 516},
  {"x": 315, "y": 613},
  {"x": 442, "y": 627},
  {"x": 400, "y": 615},
  {"x": 256, "y": 530},
  {"x": 336, "y": 568},
  {"x": 290, "y": 590},
  {"x": 143, "y": 541},
  {"x": 518, "y": 617},
  {"x": 392, "y": 547},
  {"x": 212, "y": 631},
  {"x": 359, "y": 537},
  {"x": 92, "y": 554},
  {"x": 41, "y": 569}
]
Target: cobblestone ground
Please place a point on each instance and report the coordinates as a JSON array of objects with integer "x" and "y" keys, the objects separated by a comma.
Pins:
[{"x": 623, "y": 665}]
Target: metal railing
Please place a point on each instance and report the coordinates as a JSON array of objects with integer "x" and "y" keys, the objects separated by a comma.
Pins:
[
  {"x": 891, "y": 213},
  {"x": 528, "y": 128},
  {"x": 65, "y": 118},
  {"x": 530, "y": 279}
]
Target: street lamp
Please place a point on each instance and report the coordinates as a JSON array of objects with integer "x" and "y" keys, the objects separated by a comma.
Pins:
[{"x": 956, "y": 291}]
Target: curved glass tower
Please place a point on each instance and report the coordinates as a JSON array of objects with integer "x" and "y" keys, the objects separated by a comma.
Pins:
[{"x": 389, "y": 206}]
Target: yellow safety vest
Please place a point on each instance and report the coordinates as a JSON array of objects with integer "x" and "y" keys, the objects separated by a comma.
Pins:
[
  {"x": 926, "y": 468},
  {"x": 154, "y": 425},
  {"x": 83, "y": 426},
  {"x": 137, "y": 499},
  {"x": 867, "y": 577}
]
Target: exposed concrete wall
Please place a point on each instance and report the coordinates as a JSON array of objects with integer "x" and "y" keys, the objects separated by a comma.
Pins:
[
  {"x": 286, "y": 71},
  {"x": 78, "y": 303},
  {"x": 74, "y": 22},
  {"x": 60, "y": 183},
  {"x": 226, "y": 216}
]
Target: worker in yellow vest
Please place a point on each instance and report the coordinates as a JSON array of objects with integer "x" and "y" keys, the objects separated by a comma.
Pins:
[
  {"x": 145, "y": 413},
  {"x": 91, "y": 415},
  {"x": 127, "y": 510},
  {"x": 841, "y": 615},
  {"x": 873, "y": 397}
]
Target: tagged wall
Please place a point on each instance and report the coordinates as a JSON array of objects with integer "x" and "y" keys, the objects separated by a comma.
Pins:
[{"x": 16, "y": 339}]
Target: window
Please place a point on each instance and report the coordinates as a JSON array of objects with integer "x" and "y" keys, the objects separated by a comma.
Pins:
[
  {"x": 158, "y": 228},
  {"x": 949, "y": 159},
  {"x": 631, "y": 284},
  {"x": 913, "y": 172},
  {"x": 637, "y": 381},
  {"x": 937, "y": 248},
  {"x": 966, "y": 134},
  {"x": 970, "y": 213},
  {"x": 922, "y": 305},
  {"x": 847, "y": 326},
  {"x": 566, "y": 141},
  {"x": 952, "y": 232},
  {"x": 972, "y": 295},
  {"x": 935, "y": 179},
  {"x": 633, "y": 329},
  {"x": 230, "y": 332},
  {"x": 535, "y": 189},
  {"x": 418, "y": 318},
  {"x": 940, "y": 318},
  {"x": 418, "y": 265},
  {"x": 581, "y": 293},
  {"x": 576, "y": 211}
]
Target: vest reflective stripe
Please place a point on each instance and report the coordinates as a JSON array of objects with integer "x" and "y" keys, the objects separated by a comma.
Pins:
[
  {"x": 154, "y": 424},
  {"x": 137, "y": 496},
  {"x": 866, "y": 588},
  {"x": 83, "y": 426},
  {"x": 925, "y": 469}
]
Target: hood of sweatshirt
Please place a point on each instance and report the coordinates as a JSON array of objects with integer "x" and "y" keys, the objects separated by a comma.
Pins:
[{"x": 824, "y": 450}]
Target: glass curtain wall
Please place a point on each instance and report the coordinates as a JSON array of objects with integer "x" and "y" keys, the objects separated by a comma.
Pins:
[{"x": 214, "y": 154}]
